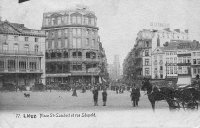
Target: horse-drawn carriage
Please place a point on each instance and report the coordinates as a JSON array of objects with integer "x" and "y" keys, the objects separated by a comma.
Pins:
[{"x": 185, "y": 95}]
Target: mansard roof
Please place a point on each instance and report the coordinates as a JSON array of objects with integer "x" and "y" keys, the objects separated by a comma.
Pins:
[{"x": 18, "y": 29}]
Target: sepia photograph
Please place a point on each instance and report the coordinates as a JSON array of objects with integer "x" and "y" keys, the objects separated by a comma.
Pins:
[{"x": 99, "y": 63}]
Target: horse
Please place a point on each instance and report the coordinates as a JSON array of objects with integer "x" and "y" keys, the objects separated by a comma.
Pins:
[{"x": 163, "y": 93}]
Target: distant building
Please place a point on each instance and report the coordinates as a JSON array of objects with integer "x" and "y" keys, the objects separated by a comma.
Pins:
[
  {"x": 22, "y": 57},
  {"x": 74, "y": 52},
  {"x": 148, "y": 40},
  {"x": 114, "y": 69}
]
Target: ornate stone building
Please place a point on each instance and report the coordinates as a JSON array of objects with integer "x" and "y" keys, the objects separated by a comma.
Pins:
[
  {"x": 73, "y": 47},
  {"x": 22, "y": 61}
]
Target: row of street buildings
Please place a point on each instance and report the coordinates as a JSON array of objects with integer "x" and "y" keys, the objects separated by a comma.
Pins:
[
  {"x": 67, "y": 49},
  {"x": 163, "y": 54}
]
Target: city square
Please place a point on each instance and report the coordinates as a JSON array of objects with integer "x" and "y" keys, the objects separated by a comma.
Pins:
[{"x": 88, "y": 63}]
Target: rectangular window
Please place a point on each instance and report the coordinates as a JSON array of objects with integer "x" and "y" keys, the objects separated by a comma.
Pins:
[
  {"x": 167, "y": 59},
  {"x": 198, "y": 70},
  {"x": 194, "y": 61},
  {"x": 87, "y": 32},
  {"x": 22, "y": 65},
  {"x": 26, "y": 38},
  {"x": 66, "y": 43},
  {"x": 78, "y": 42},
  {"x": 52, "y": 34},
  {"x": 78, "y": 19},
  {"x": 198, "y": 61},
  {"x": 86, "y": 20},
  {"x": 175, "y": 69},
  {"x": 5, "y": 47},
  {"x": 65, "y": 19},
  {"x": 195, "y": 71},
  {"x": 161, "y": 67},
  {"x": 93, "y": 43},
  {"x": 11, "y": 64},
  {"x": 79, "y": 32},
  {"x": 168, "y": 70},
  {"x": 54, "y": 21},
  {"x": 171, "y": 70},
  {"x": 180, "y": 60},
  {"x": 77, "y": 67},
  {"x": 59, "y": 33},
  {"x": 52, "y": 44},
  {"x": 87, "y": 42},
  {"x": 146, "y": 71},
  {"x": 36, "y": 39},
  {"x": 175, "y": 60},
  {"x": 146, "y": 61},
  {"x": 59, "y": 44},
  {"x": 184, "y": 60},
  {"x": 49, "y": 44},
  {"x": 32, "y": 65},
  {"x": 73, "y": 19},
  {"x": 74, "y": 32},
  {"x": 146, "y": 52},
  {"x": 59, "y": 20},
  {"x": 92, "y": 21},
  {"x": 66, "y": 32},
  {"x": 1, "y": 64},
  {"x": 74, "y": 43},
  {"x": 171, "y": 60}
]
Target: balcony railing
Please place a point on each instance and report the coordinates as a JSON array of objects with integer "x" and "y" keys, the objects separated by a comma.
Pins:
[
  {"x": 12, "y": 52},
  {"x": 72, "y": 59},
  {"x": 13, "y": 70}
]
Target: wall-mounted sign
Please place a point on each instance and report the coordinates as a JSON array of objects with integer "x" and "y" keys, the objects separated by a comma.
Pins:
[{"x": 159, "y": 25}]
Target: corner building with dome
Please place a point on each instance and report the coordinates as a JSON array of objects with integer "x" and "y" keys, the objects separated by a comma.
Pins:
[{"x": 74, "y": 52}]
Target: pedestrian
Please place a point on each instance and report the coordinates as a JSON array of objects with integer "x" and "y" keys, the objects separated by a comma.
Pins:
[
  {"x": 74, "y": 91},
  {"x": 95, "y": 96},
  {"x": 117, "y": 89},
  {"x": 104, "y": 97},
  {"x": 135, "y": 94}
]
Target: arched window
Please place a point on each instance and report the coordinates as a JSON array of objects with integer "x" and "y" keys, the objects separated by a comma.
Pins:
[
  {"x": 76, "y": 18},
  {"x": 86, "y": 20},
  {"x": 36, "y": 48},
  {"x": 74, "y": 54}
]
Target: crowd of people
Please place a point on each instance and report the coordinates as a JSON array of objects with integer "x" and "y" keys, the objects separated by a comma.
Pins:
[{"x": 134, "y": 89}]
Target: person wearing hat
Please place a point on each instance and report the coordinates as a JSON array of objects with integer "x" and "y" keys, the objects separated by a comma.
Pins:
[
  {"x": 95, "y": 96},
  {"x": 104, "y": 96},
  {"x": 135, "y": 94}
]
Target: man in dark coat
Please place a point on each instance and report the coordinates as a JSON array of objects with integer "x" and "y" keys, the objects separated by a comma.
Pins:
[
  {"x": 135, "y": 94},
  {"x": 95, "y": 96},
  {"x": 104, "y": 97}
]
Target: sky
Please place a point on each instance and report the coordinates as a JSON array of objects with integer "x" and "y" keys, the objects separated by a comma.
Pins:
[{"x": 118, "y": 20}]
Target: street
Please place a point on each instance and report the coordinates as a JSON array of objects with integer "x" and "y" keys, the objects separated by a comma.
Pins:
[
  {"x": 61, "y": 100},
  {"x": 37, "y": 110}
]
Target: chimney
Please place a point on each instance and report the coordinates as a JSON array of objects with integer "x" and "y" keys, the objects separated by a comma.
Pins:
[
  {"x": 186, "y": 31},
  {"x": 177, "y": 30}
]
